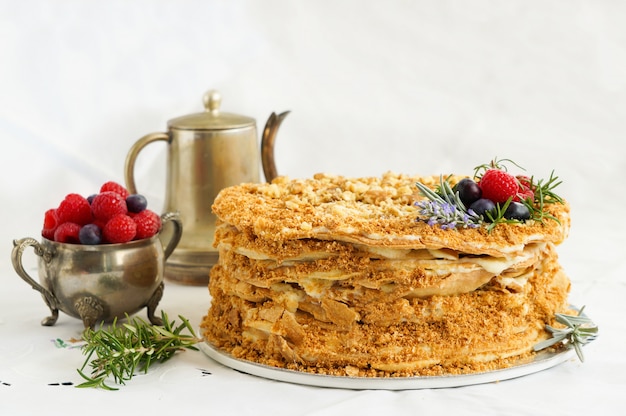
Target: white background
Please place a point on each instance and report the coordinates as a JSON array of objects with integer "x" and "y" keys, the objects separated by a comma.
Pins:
[{"x": 422, "y": 87}]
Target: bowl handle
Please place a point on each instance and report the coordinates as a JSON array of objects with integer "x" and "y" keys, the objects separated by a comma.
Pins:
[
  {"x": 16, "y": 257},
  {"x": 174, "y": 219}
]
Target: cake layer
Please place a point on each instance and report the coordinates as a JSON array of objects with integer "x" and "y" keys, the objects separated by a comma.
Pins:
[
  {"x": 390, "y": 335},
  {"x": 376, "y": 212},
  {"x": 410, "y": 272}
]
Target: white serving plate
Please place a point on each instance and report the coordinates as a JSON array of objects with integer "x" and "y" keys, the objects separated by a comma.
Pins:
[{"x": 540, "y": 361}]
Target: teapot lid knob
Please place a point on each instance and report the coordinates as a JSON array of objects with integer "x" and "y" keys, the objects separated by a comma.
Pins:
[
  {"x": 211, "y": 118},
  {"x": 212, "y": 101}
]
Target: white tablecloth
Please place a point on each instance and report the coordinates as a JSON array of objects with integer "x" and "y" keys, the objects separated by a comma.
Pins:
[{"x": 415, "y": 87}]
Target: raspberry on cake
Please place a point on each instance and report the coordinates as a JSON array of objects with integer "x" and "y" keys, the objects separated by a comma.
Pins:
[{"x": 364, "y": 277}]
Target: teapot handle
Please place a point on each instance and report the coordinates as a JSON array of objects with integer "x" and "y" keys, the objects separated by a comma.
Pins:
[
  {"x": 267, "y": 145},
  {"x": 129, "y": 166},
  {"x": 16, "y": 257}
]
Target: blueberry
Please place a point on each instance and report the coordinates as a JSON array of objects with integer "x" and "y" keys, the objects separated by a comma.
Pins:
[
  {"x": 468, "y": 190},
  {"x": 517, "y": 211},
  {"x": 90, "y": 198},
  {"x": 90, "y": 234},
  {"x": 136, "y": 203},
  {"x": 482, "y": 206}
]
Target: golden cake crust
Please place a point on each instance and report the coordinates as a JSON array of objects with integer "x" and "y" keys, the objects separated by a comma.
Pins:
[{"x": 372, "y": 211}]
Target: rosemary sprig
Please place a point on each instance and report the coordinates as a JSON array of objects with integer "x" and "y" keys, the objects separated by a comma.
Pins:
[
  {"x": 132, "y": 346},
  {"x": 546, "y": 189},
  {"x": 496, "y": 216},
  {"x": 544, "y": 194},
  {"x": 579, "y": 330},
  {"x": 494, "y": 164}
]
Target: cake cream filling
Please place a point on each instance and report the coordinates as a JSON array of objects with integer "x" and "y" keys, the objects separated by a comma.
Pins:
[
  {"x": 448, "y": 272},
  {"x": 342, "y": 297}
]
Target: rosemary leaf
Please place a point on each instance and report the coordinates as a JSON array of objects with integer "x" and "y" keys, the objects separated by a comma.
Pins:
[{"x": 118, "y": 352}]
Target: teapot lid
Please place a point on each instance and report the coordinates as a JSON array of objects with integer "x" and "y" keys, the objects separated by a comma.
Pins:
[{"x": 212, "y": 118}]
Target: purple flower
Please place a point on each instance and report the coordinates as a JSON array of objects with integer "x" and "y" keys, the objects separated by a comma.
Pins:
[{"x": 446, "y": 213}]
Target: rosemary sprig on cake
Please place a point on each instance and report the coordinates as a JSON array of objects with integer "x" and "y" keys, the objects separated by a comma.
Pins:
[
  {"x": 493, "y": 196},
  {"x": 132, "y": 346},
  {"x": 578, "y": 331}
]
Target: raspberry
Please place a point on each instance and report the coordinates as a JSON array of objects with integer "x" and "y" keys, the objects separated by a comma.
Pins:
[
  {"x": 74, "y": 208},
  {"x": 524, "y": 181},
  {"x": 67, "y": 233},
  {"x": 525, "y": 189},
  {"x": 107, "y": 205},
  {"x": 50, "y": 224},
  {"x": 498, "y": 185},
  {"x": 99, "y": 223},
  {"x": 148, "y": 224},
  {"x": 524, "y": 194},
  {"x": 114, "y": 187},
  {"x": 119, "y": 229}
]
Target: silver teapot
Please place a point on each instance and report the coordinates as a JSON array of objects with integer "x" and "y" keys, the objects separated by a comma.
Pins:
[{"x": 207, "y": 151}]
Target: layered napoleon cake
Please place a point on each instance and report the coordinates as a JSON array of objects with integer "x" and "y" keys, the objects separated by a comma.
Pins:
[{"x": 375, "y": 277}]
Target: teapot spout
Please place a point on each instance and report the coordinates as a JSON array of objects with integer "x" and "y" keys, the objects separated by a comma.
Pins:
[{"x": 267, "y": 145}]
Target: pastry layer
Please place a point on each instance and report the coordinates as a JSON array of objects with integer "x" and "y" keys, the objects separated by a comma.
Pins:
[
  {"x": 383, "y": 334},
  {"x": 376, "y": 212}
]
